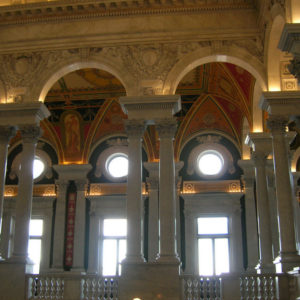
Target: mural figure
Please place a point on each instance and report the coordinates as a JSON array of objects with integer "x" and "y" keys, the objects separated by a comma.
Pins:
[{"x": 72, "y": 134}]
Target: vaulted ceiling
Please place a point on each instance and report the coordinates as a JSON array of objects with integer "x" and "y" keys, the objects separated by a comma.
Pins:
[{"x": 215, "y": 97}]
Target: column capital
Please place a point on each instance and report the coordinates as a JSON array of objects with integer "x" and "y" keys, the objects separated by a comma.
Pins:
[
  {"x": 259, "y": 158},
  {"x": 30, "y": 133},
  {"x": 166, "y": 128},
  {"x": 261, "y": 142},
  {"x": 152, "y": 183},
  {"x": 277, "y": 124},
  {"x": 61, "y": 185},
  {"x": 135, "y": 128}
]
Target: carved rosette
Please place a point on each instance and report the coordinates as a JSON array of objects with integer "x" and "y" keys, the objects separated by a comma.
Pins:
[
  {"x": 277, "y": 124},
  {"x": 166, "y": 128},
  {"x": 135, "y": 128},
  {"x": 30, "y": 133},
  {"x": 6, "y": 133}
]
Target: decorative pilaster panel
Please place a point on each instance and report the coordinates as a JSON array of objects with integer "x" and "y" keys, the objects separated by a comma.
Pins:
[
  {"x": 135, "y": 130},
  {"x": 30, "y": 134},
  {"x": 166, "y": 130},
  {"x": 59, "y": 225}
]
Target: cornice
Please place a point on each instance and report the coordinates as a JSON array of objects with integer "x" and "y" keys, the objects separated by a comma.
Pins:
[{"x": 66, "y": 10}]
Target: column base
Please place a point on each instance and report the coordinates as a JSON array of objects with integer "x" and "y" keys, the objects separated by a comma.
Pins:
[
  {"x": 151, "y": 281},
  {"x": 133, "y": 259},
  {"x": 13, "y": 280},
  {"x": 162, "y": 258},
  {"x": 286, "y": 261}
]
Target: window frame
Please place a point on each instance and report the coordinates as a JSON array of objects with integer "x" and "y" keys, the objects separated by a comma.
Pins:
[
  {"x": 101, "y": 240},
  {"x": 213, "y": 237}
]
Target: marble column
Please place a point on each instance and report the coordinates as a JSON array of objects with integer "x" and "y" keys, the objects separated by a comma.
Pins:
[
  {"x": 93, "y": 262},
  {"x": 167, "y": 252},
  {"x": 263, "y": 213},
  {"x": 79, "y": 229},
  {"x": 250, "y": 210},
  {"x": 153, "y": 230},
  {"x": 59, "y": 225},
  {"x": 135, "y": 130},
  {"x": 273, "y": 206},
  {"x": 30, "y": 134},
  {"x": 6, "y": 133},
  {"x": 288, "y": 257}
]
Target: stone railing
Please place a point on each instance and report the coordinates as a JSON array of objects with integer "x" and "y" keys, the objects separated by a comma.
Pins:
[
  {"x": 67, "y": 286},
  {"x": 254, "y": 287},
  {"x": 201, "y": 287}
]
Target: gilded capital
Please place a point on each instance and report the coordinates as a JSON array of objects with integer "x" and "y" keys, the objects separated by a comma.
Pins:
[
  {"x": 135, "y": 128},
  {"x": 166, "y": 128}
]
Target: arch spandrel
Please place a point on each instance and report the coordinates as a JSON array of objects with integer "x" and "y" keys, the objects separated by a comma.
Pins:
[
  {"x": 67, "y": 64},
  {"x": 233, "y": 54}
]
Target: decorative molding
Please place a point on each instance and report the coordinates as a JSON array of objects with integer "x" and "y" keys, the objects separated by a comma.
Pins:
[
  {"x": 64, "y": 10},
  {"x": 225, "y": 186},
  {"x": 39, "y": 190}
]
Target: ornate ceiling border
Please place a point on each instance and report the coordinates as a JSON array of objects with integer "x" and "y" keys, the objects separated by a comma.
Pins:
[{"x": 86, "y": 9}]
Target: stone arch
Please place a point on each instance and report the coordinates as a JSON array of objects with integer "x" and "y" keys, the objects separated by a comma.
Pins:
[
  {"x": 48, "y": 79},
  {"x": 272, "y": 51},
  {"x": 202, "y": 56}
]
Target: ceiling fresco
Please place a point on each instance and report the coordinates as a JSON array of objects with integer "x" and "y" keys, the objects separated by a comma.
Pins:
[{"x": 84, "y": 107}]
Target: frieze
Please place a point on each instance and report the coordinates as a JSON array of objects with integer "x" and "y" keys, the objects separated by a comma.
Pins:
[{"x": 58, "y": 11}]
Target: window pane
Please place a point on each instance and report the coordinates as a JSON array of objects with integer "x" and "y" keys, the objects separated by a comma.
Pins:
[
  {"x": 222, "y": 256},
  {"x": 36, "y": 227},
  {"x": 34, "y": 253},
  {"x": 213, "y": 225},
  {"x": 205, "y": 256},
  {"x": 115, "y": 227},
  {"x": 122, "y": 253},
  {"x": 109, "y": 257}
]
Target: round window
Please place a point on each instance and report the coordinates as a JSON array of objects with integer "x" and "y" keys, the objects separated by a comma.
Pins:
[
  {"x": 210, "y": 162},
  {"x": 38, "y": 167},
  {"x": 117, "y": 165}
]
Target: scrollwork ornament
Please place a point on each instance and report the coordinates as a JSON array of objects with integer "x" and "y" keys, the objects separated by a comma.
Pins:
[
  {"x": 135, "y": 128},
  {"x": 277, "y": 124},
  {"x": 30, "y": 133},
  {"x": 61, "y": 185},
  {"x": 166, "y": 128},
  {"x": 259, "y": 158}
]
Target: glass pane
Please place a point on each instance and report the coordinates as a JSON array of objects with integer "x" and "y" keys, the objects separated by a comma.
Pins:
[
  {"x": 210, "y": 163},
  {"x": 122, "y": 253},
  {"x": 38, "y": 167},
  {"x": 218, "y": 225},
  {"x": 118, "y": 166},
  {"x": 109, "y": 261},
  {"x": 36, "y": 227},
  {"x": 205, "y": 257},
  {"x": 34, "y": 253},
  {"x": 221, "y": 256},
  {"x": 115, "y": 227}
]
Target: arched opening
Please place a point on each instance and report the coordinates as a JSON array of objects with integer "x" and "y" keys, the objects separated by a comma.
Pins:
[{"x": 81, "y": 102}]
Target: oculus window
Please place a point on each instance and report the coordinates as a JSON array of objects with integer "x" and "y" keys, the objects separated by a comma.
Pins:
[
  {"x": 210, "y": 162},
  {"x": 117, "y": 165},
  {"x": 38, "y": 167},
  {"x": 213, "y": 245}
]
